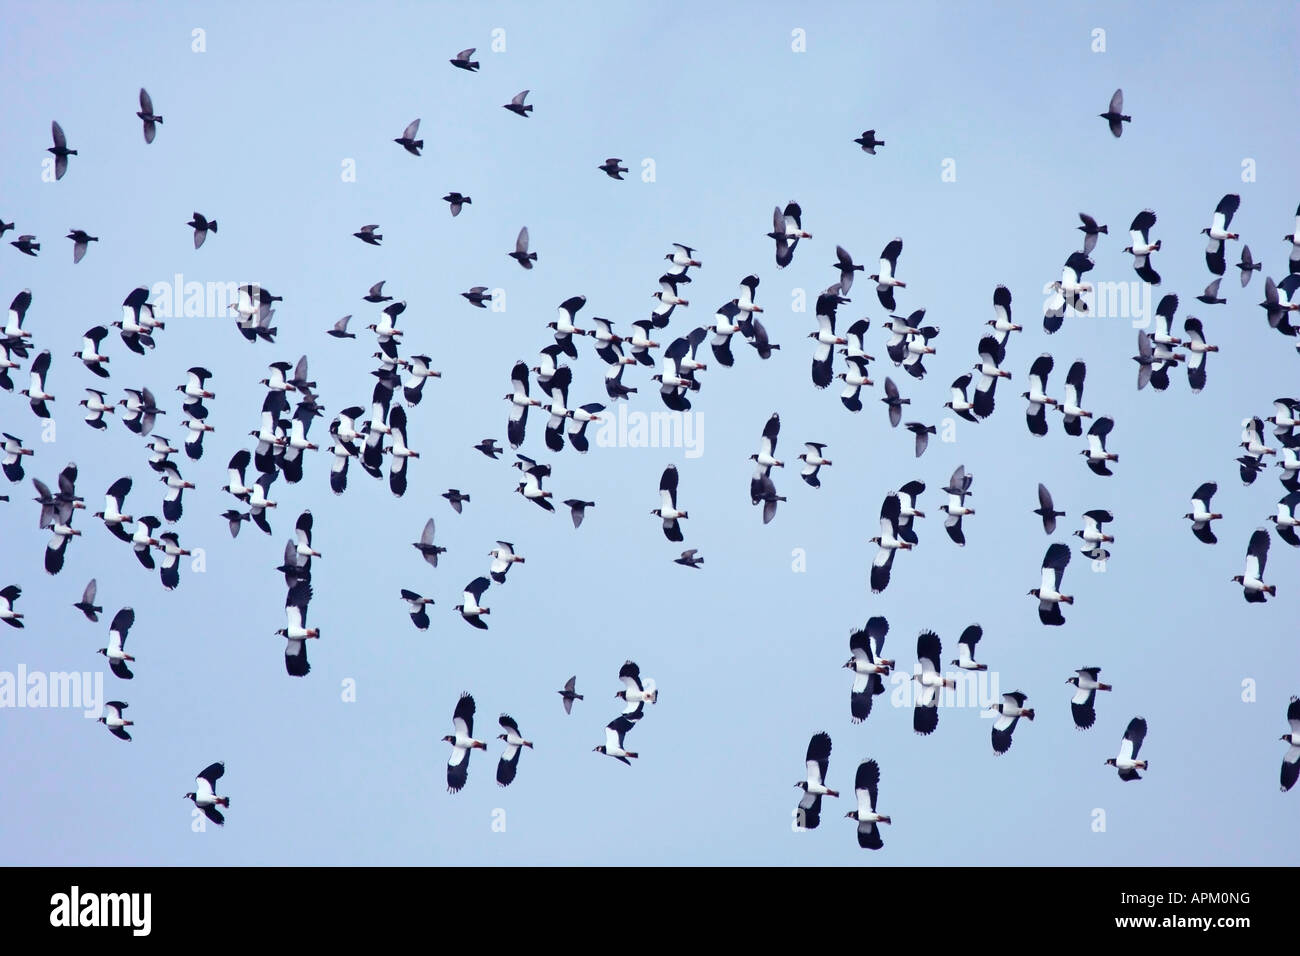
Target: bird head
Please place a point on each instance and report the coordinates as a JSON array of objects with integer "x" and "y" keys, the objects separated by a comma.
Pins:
[
  {"x": 1072, "y": 680},
  {"x": 449, "y": 739}
]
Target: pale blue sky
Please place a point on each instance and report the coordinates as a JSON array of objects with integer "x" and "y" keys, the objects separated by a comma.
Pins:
[{"x": 747, "y": 653}]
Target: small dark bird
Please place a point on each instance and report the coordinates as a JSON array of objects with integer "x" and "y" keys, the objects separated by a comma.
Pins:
[
  {"x": 1211, "y": 294},
  {"x": 87, "y": 605},
  {"x": 578, "y": 509},
  {"x": 689, "y": 559},
  {"x": 456, "y": 201},
  {"x": 1090, "y": 231},
  {"x": 1115, "y": 114},
  {"x": 612, "y": 169},
  {"x": 340, "y": 330},
  {"x": 408, "y": 141},
  {"x": 236, "y": 518},
  {"x": 376, "y": 293},
  {"x": 568, "y": 695},
  {"x": 27, "y": 245},
  {"x": 201, "y": 226},
  {"x": 477, "y": 296},
  {"x": 922, "y": 433},
  {"x": 489, "y": 447},
  {"x": 455, "y": 497},
  {"x": 521, "y": 254},
  {"x": 894, "y": 403},
  {"x": 1046, "y": 510},
  {"x": 844, "y": 262},
  {"x": 148, "y": 116},
  {"x": 517, "y": 106},
  {"x": 868, "y": 142},
  {"x": 366, "y": 235},
  {"x": 60, "y": 150},
  {"x": 1247, "y": 265},
  {"x": 462, "y": 61},
  {"x": 80, "y": 238}
]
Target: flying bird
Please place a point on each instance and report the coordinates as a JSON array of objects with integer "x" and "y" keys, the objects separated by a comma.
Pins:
[
  {"x": 814, "y": 787},
  {"x": 1114, "y": 115},
  {"x": 202, "y": 226},
  {"x": 147, "y": 116},
  {"x": 462, "y": 743},
  {"x": 408, "y": 141},
  {"x": 60, "y": 150},
  {"x": 516, "y": 105},
  {"x": 1126, "y": 762},
  {"x": 509, "y": 762},
  {"x": 205, "y": 793},
  {"x": 1082, "y": 704},
  {"x": 463, "y": 61}
]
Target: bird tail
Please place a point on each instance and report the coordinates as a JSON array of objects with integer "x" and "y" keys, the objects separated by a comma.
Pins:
[
  {"x": 1104, "y": 230},
  {"x": 1156, "y": 247},
  {"x": 532, "y": 256},
  {"x": 212, "y": 226},
  {"x": 1029, "y": 714},
  {"x": 1103, "y": 687},
  {"x": 528, "y": 744},
  {"x": 529, "y": 109},
  {"x": 578, "y": 697},
  {"x": 627, "y": 753},
  {"x": 223, "y": 801},
  {"x": 419, "y": 144}
]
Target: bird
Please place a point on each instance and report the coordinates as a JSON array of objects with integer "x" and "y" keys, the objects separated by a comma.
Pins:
[
  {"x": 147, "y": 116},
  {"x": 956, "y": 508},
  {"x": 965, "y": 659},
  {"x": 114, "y": 720},
  {"x": 682, "y": 258},
  {"x": 564, "y": 328},
  {"x": 813, "y": 461},
  {"x": 416, "y": 607},
  {"x": 929, "y": 655},
  {"x": 1291, "y": 760},
  {"x": 866, "y": 787},
  {"x": 1090, "y": 231},
  {"x": 60, "y": 150},
  {"x": 1001, "y": 321},
  {"x": 854, "y": 379},
  {"x": 1036, "y": 413},
  {"x": 615, "y": 732},
  {"x": 235, "y": 519},
  {"x": 888, "y": 541},
  {"x": 115, "y": 653},
  {"x": 112, "y": 515},
  {"x": 787, "y": 230},
  {"x": 1094, "y": 535},
  {"x": 991, "y": 353},
  {"x": 340, "y": 329},
  {"x": 521, "y": 254},
  {"x": 908, "y": 496},
  {"x": 844, "y": 263},
  {"x": 1126, "y": 762},
  {"x": 1197, "y": 349},
  {"x": 1096, "y": 453},
  {"x": 14, "y": 452},
  {"x": 667, "y": 510},
  {"x": 11, "y": 593},
  {"x": 368, "y": 235},
  {"x": 1070, "y": 406},
  {"x": 635, "y": 690},
  {"x": 1142, "y": 246},
  {"x": 516, "y": 105},
  {"x": 489, "y": 447},
  {"x": 503, "y": 559},
  {"x": 1248, "y": 265},
  {"x": 1049, "y": 594},
  {"x": 205, "y": 793},
  {"x": 296, "y": 632},
  {"x": 893, "y": 402},
  {"x": 470, "y": 608},
  {"x": 612, "y": 169},
  {"x": 520, "y": 402},
  {"x": 568, "y": 695},
  {"x": 531, "y": 487},
  {"x": 578, "y": 509},
  {"x": 959, "y": 403},
  {"x": 1082, "y": 703},
  {"x": 90, "y": 355},
  {"x": 867, "y": 665},
  {"x": 201, "y": 226},
  {"x": 814, "y": 787},
  {"x": 408, "y": 141},
  {"x": 689, "y": 559},
  {"x": 86, "y": 605},
  {"x": 509, "y": 762},
  {"x": 1200, "y": 516},
  {"x": 1211, "y": 294},
  {"x": 463, "y": 61},
  {"x": 1114, "y": 115},
  {"x": 668, "y": 297},
  {"x": 1067, "y": 292},
  {"x": 96, "y": 408},
  {"x": 456, "y": 202},
  {"x": 1287, "y": 519},
  {"x": 886, "y": 279},
  {"x": 1046, "y": 510},
  {"x": 1219, "y": 234},
  {"x": 868, "y": 141},
  {"x": 1009, "y": 712},
  {"x": 428, "y": 550},
  {"x": 477, "y": 296},
  {"x": 36, "y": 394},
  {"x": 1252, "y": 582},
  {"x": 80, "y": 239}
]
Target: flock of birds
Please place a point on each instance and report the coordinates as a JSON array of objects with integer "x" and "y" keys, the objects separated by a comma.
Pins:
[{"x": 377, "y": 439}]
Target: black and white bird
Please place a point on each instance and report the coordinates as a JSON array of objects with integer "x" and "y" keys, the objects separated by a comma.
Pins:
[
  {"x": 86, "y": 605},
  {"x": 564, "y": 327},
  {"x": 503, "y": 559},
  {"x": 1049, "y": 593},
  {"x": 854, "y": 376},
  {"x": 1090, "y": 231},
  {"x": 887, "y": 278},
  {"x": 888, "y": 541},
  {"x": 12, "y": 461},
  {"x": 669, "y": 298},
  {"x": 1009, "y": 711},
  {"x": 170, "y": 476},
  {"x": 1200, "y": 516},
  {"x": 36, "y": 394},
  {"x": 509, "y": 762},
  {"x": 868, "y": 666},
  {"x": 205, "y": 793},
  {"x": 965, "y": 659},
  {"x": 959, "y": 403},
  {"x": 636, "y": 690},
  {"x": 428, "y": 550},
  {"x": 1070, "y": 407},
  {"x": 112, "y": 516},
  {"x": 1046, "y": 510},
  {"x": 520, "y": 402},
  {"x": 1254, "y": 590},
  {"x": 1036, "y": 412},
  {"x": 1082, "y": 704},
  {"x": 569, "y": 694},
  {"x": 116, "y": 653},
  {"x": 1219, "y": 234},
  {"x": 814, "y": 786},
  {"x": 667, "y": 510},
  {"x": 813, "y": 461},
  {"x": 1127, "y": 762},
  {"x": 1197, "y": 349},
  {"x": 470, "y": 607},
  {"x": 955, "y": 510},
  {"x": 908, "y": 497},
  {"x": 615, "y": 733},
  {"x": 1096, "y": 454},
  {"x": 1001, "y": 321},
  {"x": 681, "y": 258},
  {"x": 295, "y": 631},
  {"x": 866, "y": 787},
  {"x": 1114, "y": 115},
  {"x": 1287, "y": 519},
  {"x": 114, "y": 720},
  {"x": 408, "y": 141},
  {"x": 931, "y": 681},
  {"x": 142, "y": 410},
  {"x": 1067, "y": 292},
  {"x": 462, "y": 743},
  {"x": 991, "y": 353},
  {"x": 823, "y": 356},
  {"x": 1094, "y": 535},
  {"x": 11, "y": 593},
  {"x": 1291, "y": 760},
  {"x": 415, "y": 606},
  {"x": 1142, "y": 247},
  {"x": 148, "y": 117}
]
